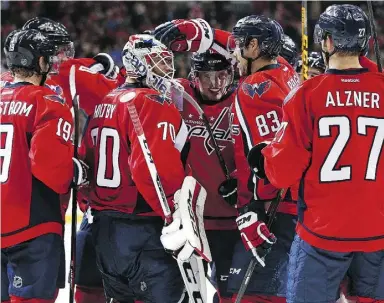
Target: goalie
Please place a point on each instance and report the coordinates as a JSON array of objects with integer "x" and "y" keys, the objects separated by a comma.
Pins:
[{"x": 128, "y": 218}]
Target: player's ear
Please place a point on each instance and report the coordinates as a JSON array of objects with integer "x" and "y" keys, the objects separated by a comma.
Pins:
[
  {"x": 329, "y": 44},
  {"x": 254, "y": 47},
  {"x": 44, "y": 66}
]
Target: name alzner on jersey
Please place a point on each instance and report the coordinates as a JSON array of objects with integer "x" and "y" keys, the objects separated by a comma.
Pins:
[{"x": 353, "y": 98}]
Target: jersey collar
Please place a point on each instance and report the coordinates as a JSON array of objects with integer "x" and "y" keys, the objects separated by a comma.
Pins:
[
  {"x": 268, "y": 67},
  {"x": 350, "y": 71},
  {"x": 16, "y": 84}
]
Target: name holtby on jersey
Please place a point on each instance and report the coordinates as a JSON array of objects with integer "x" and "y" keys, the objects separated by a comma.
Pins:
[{"x": 104, "y": 110}]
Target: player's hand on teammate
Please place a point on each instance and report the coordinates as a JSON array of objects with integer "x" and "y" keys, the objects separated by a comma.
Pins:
[
  {"x": 255, "y": 235},
  {"x": 80, "y": 173},
  {"x": 182, "y": 35},
  {"x": 228, "y": 190},
  {"x": 105, "y": 65},
  {"x": 256, "y": 159}
]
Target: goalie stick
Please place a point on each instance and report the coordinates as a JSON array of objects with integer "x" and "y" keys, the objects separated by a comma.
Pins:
[
  {"x": 75, "y": 105},
  {"x": 252, "y": 264},
  {"x": 192, "y": 271},
  {"x": 374, "y": 33}
]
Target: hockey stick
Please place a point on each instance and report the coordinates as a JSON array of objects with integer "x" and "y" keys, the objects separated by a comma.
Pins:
[
  {"x": 375, "y": 41},
  {"x": 304, "y": 40},
  {"x": 187, "y": 269},
  {"x": 75, "y": 104},
  {"x": 252, "y": 264},
  {"x": 219, "y": 155}
]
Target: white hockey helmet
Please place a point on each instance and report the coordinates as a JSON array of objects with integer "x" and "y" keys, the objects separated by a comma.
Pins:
[{"x": 146, "y": 58}]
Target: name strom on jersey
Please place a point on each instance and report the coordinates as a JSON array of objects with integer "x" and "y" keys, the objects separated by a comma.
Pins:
[
  {"x": 15, "y": 108},
  {"x": 353, "y": 98}
]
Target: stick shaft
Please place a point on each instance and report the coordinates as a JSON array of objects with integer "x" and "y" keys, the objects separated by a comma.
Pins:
[
  {"x": 304, "y": 40},
  {"x": 374, "y": 33}
]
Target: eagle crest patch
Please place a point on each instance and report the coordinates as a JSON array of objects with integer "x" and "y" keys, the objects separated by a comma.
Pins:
[{"x": 257, "y": 88}]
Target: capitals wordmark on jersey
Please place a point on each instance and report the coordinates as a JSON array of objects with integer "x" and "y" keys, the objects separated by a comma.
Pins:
[{"x": 220, "y": 134}]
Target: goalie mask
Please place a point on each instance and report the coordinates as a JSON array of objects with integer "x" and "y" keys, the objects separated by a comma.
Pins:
[{"x": 148, "y": 60}]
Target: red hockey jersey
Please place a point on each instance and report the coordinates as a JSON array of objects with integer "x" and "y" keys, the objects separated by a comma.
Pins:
[
  {"x": 36, "y": 161},
  {"x": 258, "y": 112},
  {"x": 366, "y": 63},
  {"x": 91, "y": 88},
  {"x": 121, "y": 179},
  {"x": 7, "y": 77},
  {"x": 332, "y": 142},
  {"x": 202, "y": 157},
  {"x": 287, "y": 81}
]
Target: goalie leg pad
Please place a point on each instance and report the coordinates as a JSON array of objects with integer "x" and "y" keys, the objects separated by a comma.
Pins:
[{"x": 191, "y": 207}]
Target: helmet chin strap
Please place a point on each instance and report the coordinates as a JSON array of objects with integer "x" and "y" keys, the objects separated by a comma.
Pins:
[
  {"x": 249, "y": 61},
  {"x": 327, "y": 56},
  {"x": 44, "y": 75}
]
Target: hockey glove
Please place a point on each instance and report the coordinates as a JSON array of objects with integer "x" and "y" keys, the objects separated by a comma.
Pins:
[
  {"x": 181, "y": 35},
  {"x": 80, "y": 173},
  {"x": 255, "y": 235},
  {"x": 186, "y": 234},
  {"x": 256, "y": 159},
  {"x": 228, "y": 190},
  {"x": 105, "y": 65}
]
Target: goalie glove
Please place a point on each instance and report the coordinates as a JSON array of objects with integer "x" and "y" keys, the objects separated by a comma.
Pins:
[
  {"x": 181, "y": 35},
  {"x": 80, "y": 173},
  {"x": 186, "y": 234},
  {"x": 255, "y": 235},
  {"x": 105, "y": 65}
]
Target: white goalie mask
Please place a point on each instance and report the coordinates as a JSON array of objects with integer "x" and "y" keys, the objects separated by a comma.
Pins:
[{"x": 147, "y": 59}]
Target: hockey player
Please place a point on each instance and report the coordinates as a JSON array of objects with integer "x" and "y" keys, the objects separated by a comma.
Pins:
[
  {"x": 315, "y": 64},
  {"x": 257, "y": 111},
  {"x": 127, "y": 223},
  {"x": 7, "y": 76},
  {"x": 37, "y": 166},
  {"x": 94, "y": 78},
  {"x": 289, "y": 51},
  {"x": 333, "y": 127},
  {"x": 211, "y": 86},
  {"x": 92, "y": 72}
]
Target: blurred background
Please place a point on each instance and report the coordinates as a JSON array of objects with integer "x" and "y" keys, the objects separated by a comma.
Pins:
[{"x": 104, "y": 26}]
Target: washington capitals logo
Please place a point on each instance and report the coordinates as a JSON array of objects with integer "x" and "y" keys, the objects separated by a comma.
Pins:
[
  {"x": 257, "y": 88},
  {"x": 158, "y": 99},
  {"x": 54, "y": 98},
  {"x": 56, "y": 88}
]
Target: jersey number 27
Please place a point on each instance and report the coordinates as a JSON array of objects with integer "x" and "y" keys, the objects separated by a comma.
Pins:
[{"x": 328, "y": 172}]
